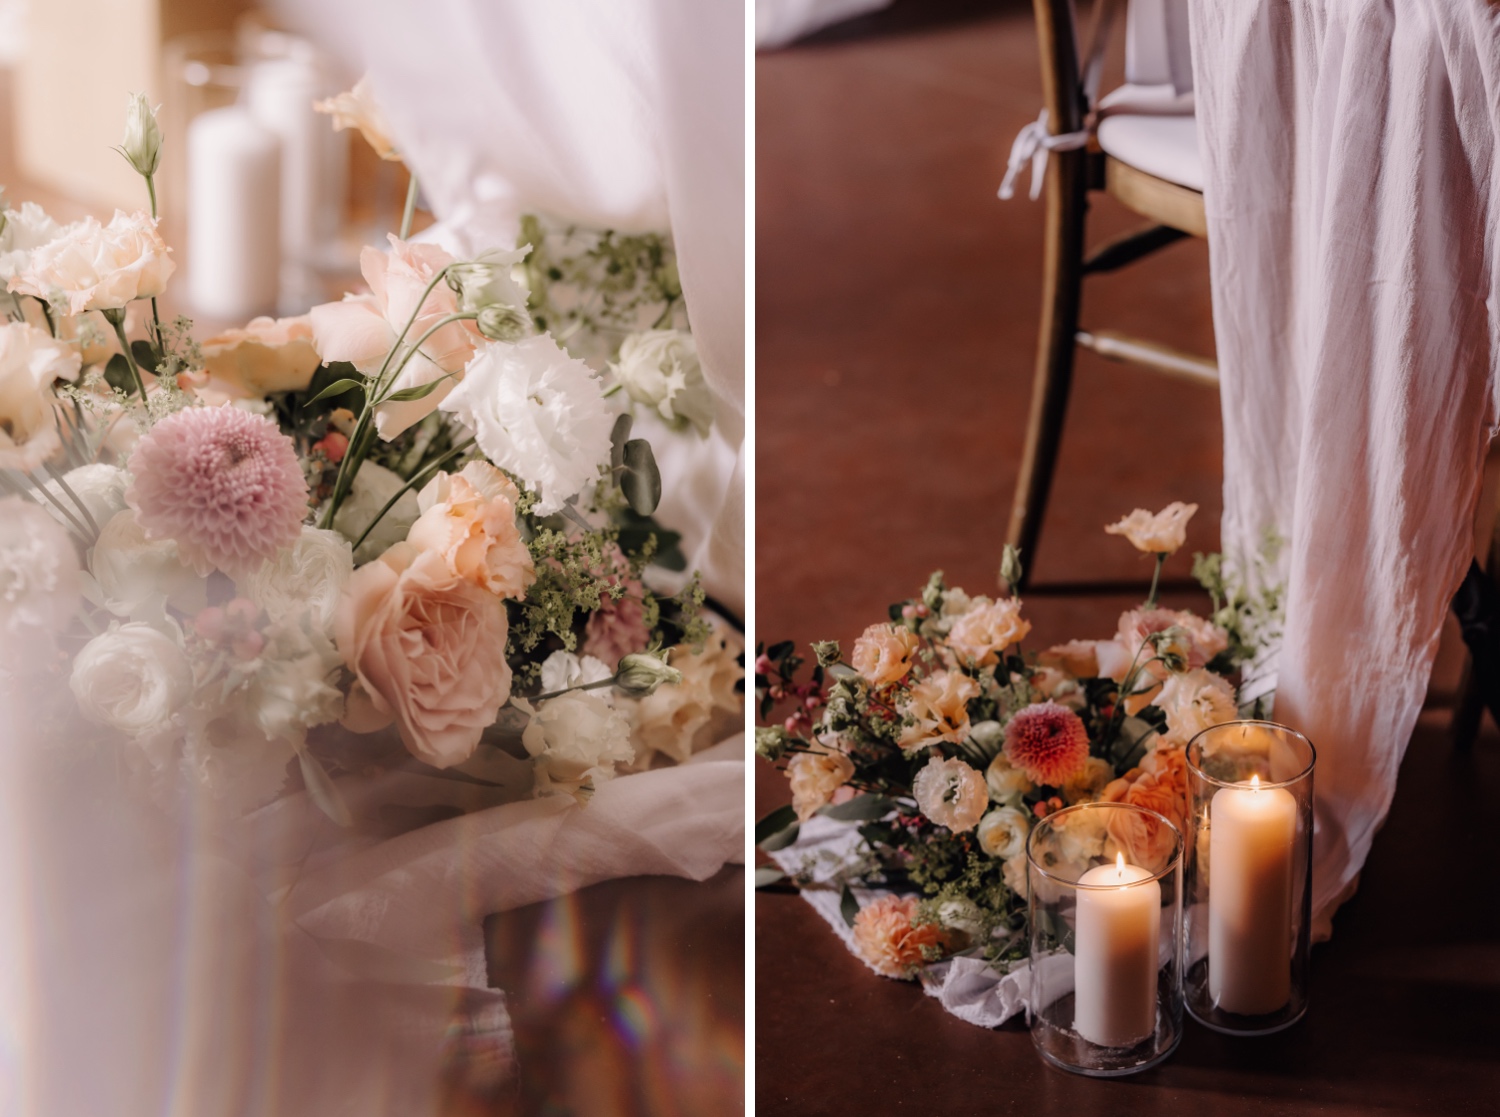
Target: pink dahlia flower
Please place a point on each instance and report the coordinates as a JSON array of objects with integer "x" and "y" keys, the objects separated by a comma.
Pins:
[
  {"x": 1048, "y": 742},
  {"x": 223, "y": 483}
]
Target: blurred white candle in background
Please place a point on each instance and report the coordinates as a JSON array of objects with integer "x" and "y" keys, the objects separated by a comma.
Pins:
[
  {"x": 1116, "y": 951},
  {"x": 1251, "y": 836},
  {"x": 234, "y": 221},
  {"x": 280, "y": 94}
]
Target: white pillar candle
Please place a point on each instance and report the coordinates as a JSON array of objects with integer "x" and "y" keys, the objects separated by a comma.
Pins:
[
  {"x": 1251, "y": 836},
  {"x": 234, "y": 225},
  {"x": 1117, "y": 941}
]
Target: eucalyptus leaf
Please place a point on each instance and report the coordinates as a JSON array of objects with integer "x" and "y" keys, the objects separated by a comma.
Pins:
[
  {"x": 777, "y": 830},
  {"x": 848, "y": 906},
  {"x": 640, "y": 480},
  {"x": 337, "y": 388},
  {"x": 323, "y": 790},
  {"x": 145, "y": 355},
  {"x": 617, "y": 439},
  {"x": 862, "y": 808},
  {"x": 767, "y": 875},
  {"x": 117, "y": 373}
]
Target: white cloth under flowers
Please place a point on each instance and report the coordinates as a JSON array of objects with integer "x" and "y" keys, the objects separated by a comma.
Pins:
[{"x": 1351, "y": 154}]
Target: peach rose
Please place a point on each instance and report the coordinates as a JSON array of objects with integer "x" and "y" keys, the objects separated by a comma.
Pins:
[
  {"x": 1078, "y": 658},
  {"x": 469, "y": 518},
  {"x": 951, "y": 793},
  {"x": 268, "y": 355},
  {"x": 987, "y": 629},
  {"x": 428, "y": 652},
  {"x": 940, "y": 705},
  {"x": 883, "y": 653},
  {"x": 889, "y": 942},
  {"x": 814, "y": 777},
  {"x": 357, "y": 108},
  {"x": 1161, "y": 534},
  {"x": 362, "y": 328},
  {"x": 99, "y": 267},
  {"x": 1145, "y": 841}
]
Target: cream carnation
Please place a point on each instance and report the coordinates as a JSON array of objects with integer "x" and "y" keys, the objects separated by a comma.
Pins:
[
  {"x": 889, "y": 942},
  {"x": 1002, "y": 833},
  {"x": 89, "y": 266},
  {"x": 132, "y": 678},
  {"x": 951, "y": 794},
  {"x": 814, "y": 777},
  {"x": 307, "y": 577},
  {"x": 39, "y": 580},
  {"x": 1048, "y": 742},
  {"x": 883, "y": 653},
  {"x": 987, "y": 629},
  {"x": 660, "y": 369},
  {"x": 939, "y": 706},
  {"x": 576, "y": 740},
  {"x": 1161, "y": 534},
  {"x": 470, "y": 519},
  {"x": 30, "y": 363},
  {"x": 537, "y": 413},
  {"x": 1193, "y": 701}
]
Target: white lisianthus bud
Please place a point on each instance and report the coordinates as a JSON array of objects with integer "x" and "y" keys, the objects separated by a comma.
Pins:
[
  {"x": 660, "y": 369},
  {"x": 490, "y": 280},
  {"x": 641, "y": 673},
  {"x": 503, "y": 323},
  {"x": 142, "y": 143}
]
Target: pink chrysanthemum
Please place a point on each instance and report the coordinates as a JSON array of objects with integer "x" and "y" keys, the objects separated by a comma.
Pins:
[
  {"x": 221, "y": 482},
  {"x": 1048, "y": 742}
]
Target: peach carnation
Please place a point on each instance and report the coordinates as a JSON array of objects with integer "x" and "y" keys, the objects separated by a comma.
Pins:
[
  {"x": 814, "y": 777},
  {"x": 951, "y": 793},
  {"x": 1048, "y": 742},
  {"x": 883, "y": 653},
  {"x": 940, "y": 706},
  {"x": 987, "y": 629},
  {"x": 889, "y": 942},
  {"x": 225, "y": 485},
  {"x": 470, "y": 519}
]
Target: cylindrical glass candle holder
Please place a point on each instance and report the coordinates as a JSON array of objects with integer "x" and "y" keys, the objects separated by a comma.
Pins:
[
  {"x": 1105, "y": 885},
  {"x": 1249, "y": 876}
]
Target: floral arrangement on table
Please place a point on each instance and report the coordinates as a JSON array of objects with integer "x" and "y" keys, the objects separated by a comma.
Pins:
[
  {"x": 408, "y": 522},
  {"x": 943, "y": 741}
]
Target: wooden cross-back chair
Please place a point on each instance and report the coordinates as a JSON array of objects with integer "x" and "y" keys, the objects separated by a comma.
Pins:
[
  {"x": 1143, "y": 154},
  {"x": 1142, "y": 150}
]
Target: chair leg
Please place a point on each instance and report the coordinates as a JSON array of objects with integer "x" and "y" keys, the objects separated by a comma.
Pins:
[{"x": 1062, "y": 281}]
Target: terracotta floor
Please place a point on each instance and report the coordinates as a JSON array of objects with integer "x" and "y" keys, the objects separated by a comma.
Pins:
[{"x": 897, "y": 302}]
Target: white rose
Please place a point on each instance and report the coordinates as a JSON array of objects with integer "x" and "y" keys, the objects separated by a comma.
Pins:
[
  {"x": 133, "y": 678},
  {"x": 537, "y": 413},
  {"x": 99, "y": 267},
  {"x": 1002, "y": 833},
  {"x": 307, "y": 577},
  {"x": 1006, "y": 783},
  {"x": 101, "y": 488},
  {"x": 562, "y": 670},
  {"x": 576, "y": 739},
  {"x": 31, "y": 361},
  {"x": 39, "y": 579},
  {"x": 677, "y": 719},
  {"x": 373, "y": 486},
  {"x": 135, "y": 574},
  {"x": 1193, "y": 701},
  {"x": 660, "y": 369}
]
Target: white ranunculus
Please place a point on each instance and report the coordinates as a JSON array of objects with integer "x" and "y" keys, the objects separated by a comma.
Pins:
[
  {"x": 307, "y": 577},
  {"x": 537, "y": 413},
  {"x": 373, "y": 486},
  {"x": 576, "y": 739},
  {"x": 101, "y": 488},
  {"x": 660, "y": 369},
  {"x": 135, "y": 574},
  {"x": 39, "y": 580},
  {"x": 133, "y": 678},
  {"x": 90, "y": 266},
  {"x": 31, "y": 361},
  {"x": 562, "y": 670},
  {"x": 1002, "y": 833}
]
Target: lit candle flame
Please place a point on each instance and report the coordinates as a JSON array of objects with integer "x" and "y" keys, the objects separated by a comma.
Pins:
[
  {"x": 1255, "y": 783},
  {"x": 1120, "y": 864}
]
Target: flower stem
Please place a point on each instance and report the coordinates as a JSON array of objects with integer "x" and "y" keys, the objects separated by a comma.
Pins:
[
  {"x": 155, "y": 314},
  {"x": 71, "y": 495},
  {"x": 417, "y": 348},
  {"x": 422, "y": 475},
  {"x": 116, "y": 318},
  {"x": 582, "y": 686},
  {"x": 1161, "y": 560},
  {"x": 47, "y": 314},
  {"x": 411, "y": 207}
]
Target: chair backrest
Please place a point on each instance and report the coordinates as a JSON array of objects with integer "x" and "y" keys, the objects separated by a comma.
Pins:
[{"x": 1158, "y": 50}]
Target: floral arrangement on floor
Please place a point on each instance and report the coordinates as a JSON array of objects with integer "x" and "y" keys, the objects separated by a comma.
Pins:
[
  {"x": 941, "y": 740},
  {"x": 408, "y": 522}
]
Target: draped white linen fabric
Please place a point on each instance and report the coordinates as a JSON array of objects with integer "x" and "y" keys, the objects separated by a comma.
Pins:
[
  {"x": 1350, "y": 157},
  {"x": 779, "y": 22}
]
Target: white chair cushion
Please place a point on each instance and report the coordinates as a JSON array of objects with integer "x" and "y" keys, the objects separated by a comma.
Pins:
[{"x": 1154, "y": 130}]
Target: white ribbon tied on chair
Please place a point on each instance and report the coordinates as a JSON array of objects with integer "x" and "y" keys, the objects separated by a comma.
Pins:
[{"x": 1032, "y": 145}]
